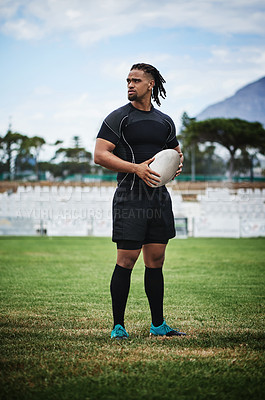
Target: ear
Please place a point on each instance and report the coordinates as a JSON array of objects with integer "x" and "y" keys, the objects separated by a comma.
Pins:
[{"x": 151, "y": 84}]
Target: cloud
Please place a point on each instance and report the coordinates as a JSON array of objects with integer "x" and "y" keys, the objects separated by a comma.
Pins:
[
  {"x": 191, "y": 86},
  {"x": 88, "y": 22},
  {"x": 198, "y": 72},
  {"x": 194, "y": 84},
  {"x": 22, "y": 29},
  {"x": 43, "y": 90},
  {"x": 53, "y": 115},
  {"x": 77, "y": 107}
]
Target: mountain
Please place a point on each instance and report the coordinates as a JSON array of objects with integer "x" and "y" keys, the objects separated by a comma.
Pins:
[{"x": 247, "y": 103}]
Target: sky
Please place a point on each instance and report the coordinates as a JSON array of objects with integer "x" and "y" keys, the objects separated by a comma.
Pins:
[{"x": 64, "y": 63}]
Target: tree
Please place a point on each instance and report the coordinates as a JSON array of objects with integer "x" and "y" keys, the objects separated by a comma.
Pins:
[
  {"x": 76, "y": 160},
  {"x": 74, "y": 154},
  {"x": 77, "y": 141},
  {"x": 207, "y": 162},
  {"x": 233, "y": 134},
  {"x": 10, "y": 145},
  {"x": 31, "y": 146},
  {"x": 189, "y": 145}
]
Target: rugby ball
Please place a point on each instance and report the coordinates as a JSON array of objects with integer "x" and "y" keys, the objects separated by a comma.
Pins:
[{"x": 166, "y": 164}]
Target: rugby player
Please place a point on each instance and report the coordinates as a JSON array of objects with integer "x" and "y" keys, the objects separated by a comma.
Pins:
[{"x": 142, "y": 215}]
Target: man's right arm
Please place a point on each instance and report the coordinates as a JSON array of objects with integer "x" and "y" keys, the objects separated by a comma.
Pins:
[{"x": 104, "y": 156}]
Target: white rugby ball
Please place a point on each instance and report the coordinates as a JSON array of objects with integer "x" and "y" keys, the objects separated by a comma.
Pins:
[{"x": 166, "y": 164}]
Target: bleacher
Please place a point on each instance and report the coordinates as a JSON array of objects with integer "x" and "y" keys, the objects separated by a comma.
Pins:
[{"x": 85, "y": 209}]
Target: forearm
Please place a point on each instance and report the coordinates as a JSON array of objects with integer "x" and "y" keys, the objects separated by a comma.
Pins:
[
  {"x": 104, "y": 156},
  {"x": 178, "y": 149},
  {"x": 108, "y": 160}
]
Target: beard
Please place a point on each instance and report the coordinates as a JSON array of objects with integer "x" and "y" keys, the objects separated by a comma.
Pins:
[{"x": 132, "y": 97}]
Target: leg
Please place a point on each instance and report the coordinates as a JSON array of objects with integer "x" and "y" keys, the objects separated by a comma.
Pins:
[
  {"x": 127, "y": 258},
  {"x": 154, "y": 255},
  {"x": 120, "y": 283}
]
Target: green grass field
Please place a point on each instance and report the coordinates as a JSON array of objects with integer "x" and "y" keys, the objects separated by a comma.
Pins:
[{"x": 56, "y": 322}]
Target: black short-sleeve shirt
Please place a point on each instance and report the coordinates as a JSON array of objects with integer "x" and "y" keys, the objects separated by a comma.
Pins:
[{"x": 138, "y": 135}]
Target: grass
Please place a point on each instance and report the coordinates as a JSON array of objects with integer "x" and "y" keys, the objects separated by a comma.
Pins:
[{"x": 56, "y": 322}]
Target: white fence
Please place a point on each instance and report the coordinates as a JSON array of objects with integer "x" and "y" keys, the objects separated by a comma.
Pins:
[{"x": 84, "y": 211}]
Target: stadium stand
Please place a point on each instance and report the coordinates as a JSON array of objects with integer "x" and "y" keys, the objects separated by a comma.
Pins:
[{"x": 205, "y": 209}]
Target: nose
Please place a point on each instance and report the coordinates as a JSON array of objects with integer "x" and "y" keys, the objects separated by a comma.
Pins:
[{"x": 130, "y": 84}]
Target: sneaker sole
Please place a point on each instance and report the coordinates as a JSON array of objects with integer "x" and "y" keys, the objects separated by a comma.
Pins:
[
  {"x": 152, "y": 335},
  {"x": 160, "y": 337},
  {"x": 120, "y": 338}
]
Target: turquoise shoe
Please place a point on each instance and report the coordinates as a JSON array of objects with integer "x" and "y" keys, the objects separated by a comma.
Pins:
[
  {"x": 164, "y": 330},
  {"x": 119, "y": 332}
]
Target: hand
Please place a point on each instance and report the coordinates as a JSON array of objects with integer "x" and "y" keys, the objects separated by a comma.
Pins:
[
  {"x": 181, "y": 157},
  {"x": 178, "y": 172},
  {"x": 149, "y": 176}
]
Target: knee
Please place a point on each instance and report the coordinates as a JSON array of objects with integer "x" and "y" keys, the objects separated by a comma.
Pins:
[
  {"x": 155, "y": 261},
  {"x": 154, "y": 255},
  {"x": 126, "y": 261}
]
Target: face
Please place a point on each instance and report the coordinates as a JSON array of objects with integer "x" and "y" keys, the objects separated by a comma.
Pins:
[{"x": 140, "y": 85}]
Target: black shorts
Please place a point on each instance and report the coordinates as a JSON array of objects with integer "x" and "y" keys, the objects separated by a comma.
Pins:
[
  {"x": 135, "y": 244},
  {"x": 142, "y": 214}
]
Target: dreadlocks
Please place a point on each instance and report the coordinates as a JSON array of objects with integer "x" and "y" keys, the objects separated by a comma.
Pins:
[{"x": 158, "y": 89}]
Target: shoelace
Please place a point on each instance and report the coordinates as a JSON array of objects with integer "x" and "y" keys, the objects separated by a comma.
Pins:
[
  {"x": 121, "y": 331},
  {"x": 168, "y": 329}
]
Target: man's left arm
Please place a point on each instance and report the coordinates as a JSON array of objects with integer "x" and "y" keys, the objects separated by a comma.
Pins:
[
  {"x": 173, "y": 143},
  {"x": 178, "y": 149}
]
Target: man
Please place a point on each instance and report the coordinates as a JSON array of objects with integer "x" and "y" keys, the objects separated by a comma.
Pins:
[{"x": 142, "y": 215}]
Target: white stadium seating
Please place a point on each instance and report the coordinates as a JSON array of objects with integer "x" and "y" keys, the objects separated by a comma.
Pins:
[{"x": 86, "y": 210}]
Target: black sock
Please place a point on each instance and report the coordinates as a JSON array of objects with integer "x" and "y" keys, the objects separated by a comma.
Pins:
[
  {"x": 119, "y": 289},
  {"x": 154, "y": 289}
]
